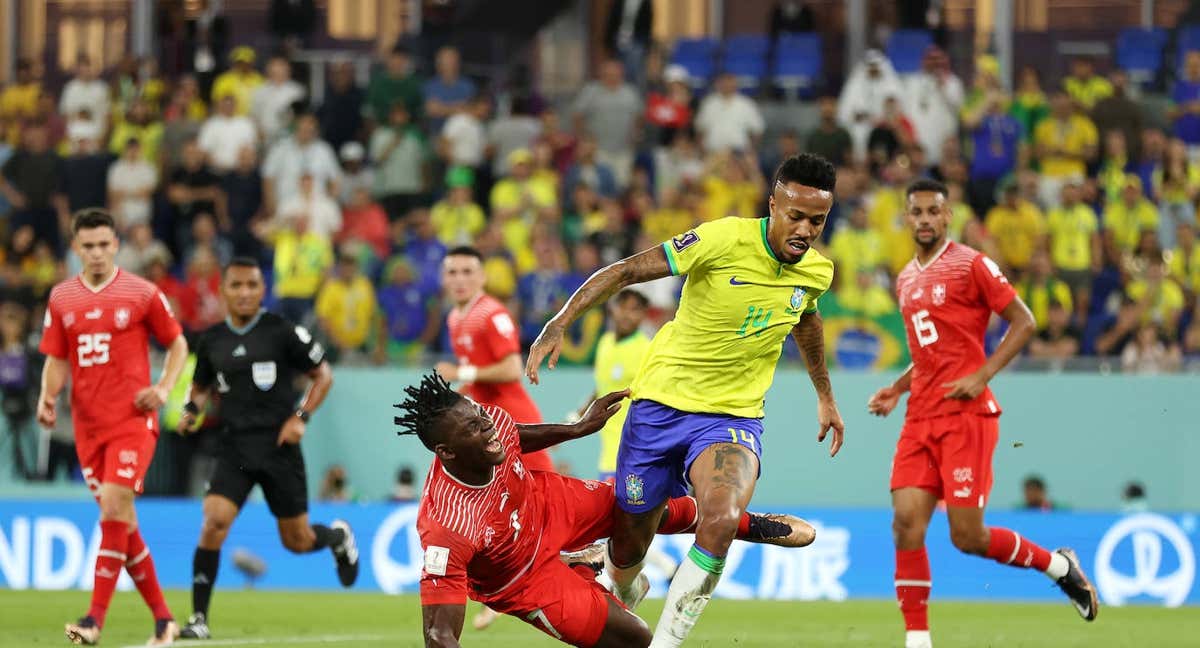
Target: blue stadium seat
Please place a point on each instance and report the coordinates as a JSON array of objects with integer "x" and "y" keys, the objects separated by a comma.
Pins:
[
  {"x": 1188, "y": 39},
  {"x": 797, "y": 63},
  {"x": 747, "y": 45},
  {"x": 698, "y": 56},
  {"x": 1140, "y": 52},
  {"x": 906, "y": 48},
  {"x": 746, "y": 58}
]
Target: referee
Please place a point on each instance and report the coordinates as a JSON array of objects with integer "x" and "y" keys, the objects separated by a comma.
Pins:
[{"x": 251, "y": 360}]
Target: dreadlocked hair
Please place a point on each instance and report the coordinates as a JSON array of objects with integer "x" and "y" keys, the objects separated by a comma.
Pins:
[{"x": 427, "y": 401}]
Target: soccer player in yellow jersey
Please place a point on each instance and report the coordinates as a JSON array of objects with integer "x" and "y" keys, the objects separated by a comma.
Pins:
[{"x": 696, "y": 415}]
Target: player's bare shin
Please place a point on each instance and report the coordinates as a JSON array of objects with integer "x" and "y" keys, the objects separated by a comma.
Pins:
[
  {"x": 809, "y": 334},
  {"x": 442, "y": 625},
  {"x": 647, "y": 265}
]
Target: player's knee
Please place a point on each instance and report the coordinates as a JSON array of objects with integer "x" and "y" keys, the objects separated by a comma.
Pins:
[
  {"x": 115, "y": 507},
  {"x": 907, "y": 528},
  {"x": 969, "y": 539},
  {"x": 214, "y": 530},
  {"x": 297, "y": 541}
]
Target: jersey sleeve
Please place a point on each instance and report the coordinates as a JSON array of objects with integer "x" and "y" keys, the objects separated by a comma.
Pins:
[
  {"x": 54, "y": 334},
  {"x": 161, "y": 320},
  {"x": 205, "y": 373},
  {"x": 444, "y": 572},
  {"x": 696, "y": 249},
  {"x": 501, "y": 335},
  {"x": 303, "y": 352},
  {"x": 991, "y": 283}
]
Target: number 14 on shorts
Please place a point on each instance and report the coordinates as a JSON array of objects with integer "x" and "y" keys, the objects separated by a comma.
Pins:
[{"x": 747, "y": 438}]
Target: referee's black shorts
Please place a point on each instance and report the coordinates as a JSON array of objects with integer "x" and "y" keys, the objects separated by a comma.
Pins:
[{"x": 246, "y": 458}]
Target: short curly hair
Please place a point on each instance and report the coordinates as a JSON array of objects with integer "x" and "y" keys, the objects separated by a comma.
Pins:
[
  {"x": 426, "y": 403},
  {"x": 807, "y": 169}
]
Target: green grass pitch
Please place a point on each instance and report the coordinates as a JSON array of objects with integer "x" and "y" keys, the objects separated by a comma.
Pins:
[{"x": 271, "y": 619}]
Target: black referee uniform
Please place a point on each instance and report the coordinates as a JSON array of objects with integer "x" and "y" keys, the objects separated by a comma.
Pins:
[{"x": 253, "y": 371}]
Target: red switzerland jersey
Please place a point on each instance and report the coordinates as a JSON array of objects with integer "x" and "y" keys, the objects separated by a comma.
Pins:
[
  {"x": 104, "y": 334},
  {"x": 482, "y": 334},
  {"x": 485, "y": 535},
  {"x": 946, "y": 307}
]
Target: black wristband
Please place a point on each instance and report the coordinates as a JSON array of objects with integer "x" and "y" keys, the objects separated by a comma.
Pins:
[
  {"x": 303, "y": 415},
  {"x": 191, "y": 408}
]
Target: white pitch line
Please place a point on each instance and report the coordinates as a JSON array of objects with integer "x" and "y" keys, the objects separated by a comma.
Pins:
[{"x": 260, "y": 641}]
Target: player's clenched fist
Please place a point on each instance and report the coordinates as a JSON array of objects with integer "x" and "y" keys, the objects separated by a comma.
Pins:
[
  {"x": 151, "y": 398},
  {"x": 47, "y": 415}
]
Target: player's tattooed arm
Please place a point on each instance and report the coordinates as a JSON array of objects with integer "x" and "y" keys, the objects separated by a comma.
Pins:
[
  {"x": 443, "y": 625},
  {"x": 647, "y": 265},
  {"x": 809, "y": 334},
  {"x": 540, "y": 436}
]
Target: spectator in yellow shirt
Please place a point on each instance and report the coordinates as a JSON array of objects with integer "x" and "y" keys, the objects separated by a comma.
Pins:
[
  {"x": 346, "y": 307},
  {"x": 19, "y": 101},
  {"x": 518, "y": 203},
  {"x": 138, "y": 123},
  {"x": 1128, "y": 217},
  {"x": 1160, "y": 298},
  {"x": 1184, "y": 262},
  {"x": 855, "y": 247},
  {"x": 456, "y": 217},
  {"x": 241, "y": 81},
  {"x": 670, "y": 218},
  {"x": 733, "y": 186},
  {"x": 1018, "y": 227},
  {"x": 1040, "y": 288},
  {"x": 1075, "y": 244},
  {"x": 1084, "y": 85},
  {"x": 862, "y": 294},
  {"x": 1065, "y": 142},
  {"x": 301, "y": 259},
  {"x": 885, "y": 214},
  {"x": 500, "y": 274}
]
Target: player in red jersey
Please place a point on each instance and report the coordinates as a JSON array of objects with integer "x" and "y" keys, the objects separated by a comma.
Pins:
[
  {"x": 947, "y": 294},
  {"x": 97, "y": 327},
  {"x": 493, "y": 530},
  {"x": 488, "y": 348}
]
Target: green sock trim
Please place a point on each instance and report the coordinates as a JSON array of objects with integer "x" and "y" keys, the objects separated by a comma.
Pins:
[{"x": 706, "y": 562}]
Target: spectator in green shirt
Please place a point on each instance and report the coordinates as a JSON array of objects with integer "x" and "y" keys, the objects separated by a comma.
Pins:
[{"x": 395, "y": 83}]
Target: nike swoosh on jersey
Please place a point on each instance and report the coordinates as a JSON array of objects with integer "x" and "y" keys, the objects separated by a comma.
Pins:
[{"x": 733, "y": 281}]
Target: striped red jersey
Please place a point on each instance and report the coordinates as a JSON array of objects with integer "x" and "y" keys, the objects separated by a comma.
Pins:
[
  {"x": 946, "y": 306},
  {"x": 104, "y": 333},
  {"x": 487, "y": 536},
  {"x": 481, "y": 334}
]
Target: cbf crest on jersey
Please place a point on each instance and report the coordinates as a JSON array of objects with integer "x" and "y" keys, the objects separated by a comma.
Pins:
[
  {"x": 634, "y": 490},
  {"x": 121, "y": 318},
  {"x": 263, "y": 374},
  {"x": 797, "y": 300}
]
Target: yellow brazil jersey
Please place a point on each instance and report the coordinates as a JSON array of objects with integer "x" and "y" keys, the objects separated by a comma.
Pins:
[
  {"x": 1184, "y": 266},
  {"x": 739, "y": 304},
  {"x": 1039, "y": 294},
  {"x": 1071, "y": 231},
  {"x": 617, "y": 362},
  {"x": 1128, "y": 222},
  {"x": 1074, "y": 135}
]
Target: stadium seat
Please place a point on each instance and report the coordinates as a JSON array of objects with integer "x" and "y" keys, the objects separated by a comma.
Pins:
[
  {"x": 1140, "y": 52},
  {"x": 697, "y": 56},
  {"x": 746, "y": 58},
  {"x": 1188, "y": 39},
  {"x": 906, "y": 48},
  {"x": 797, "y": 63}
]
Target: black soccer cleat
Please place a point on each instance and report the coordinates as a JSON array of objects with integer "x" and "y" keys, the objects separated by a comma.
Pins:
[
  {"x": 779, "y": 529},
  {"x": 346, "y": 554},
  {"x": 1077, "y": 587},
  {"x": 196, "y": 628}
]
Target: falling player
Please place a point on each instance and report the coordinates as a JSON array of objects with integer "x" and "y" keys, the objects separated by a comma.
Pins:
[
  {"x": 252, "y": 360},
  {"x": 97, "y": 327},
  {"x": 697, "y": 409},
  {"x": 947, "y": 294},
  {"x": 487, "y": 346},
  {"x": 494, "y": 530}
]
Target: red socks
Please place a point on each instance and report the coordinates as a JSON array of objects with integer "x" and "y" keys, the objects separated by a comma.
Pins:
[
  {"x": 913, "y": 582},
  {"x": 114, "y": 541},
  {"x": 141, "y": 569},
  {"x": 1008, "y": 548},
  {"x": 681, "y": 517}
]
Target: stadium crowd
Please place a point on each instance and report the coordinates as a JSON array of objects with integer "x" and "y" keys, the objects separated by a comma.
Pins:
[{"x": 1083, "y": 197}]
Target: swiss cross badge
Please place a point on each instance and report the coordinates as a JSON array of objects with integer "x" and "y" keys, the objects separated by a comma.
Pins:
[
  {"x": 121, "y": 318},
  {"x": 939, "y": 294}
]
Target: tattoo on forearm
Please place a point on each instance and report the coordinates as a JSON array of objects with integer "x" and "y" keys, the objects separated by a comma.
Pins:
[
  {"x": 809, "y": 334},
  {"x": 640, "y": 267}
]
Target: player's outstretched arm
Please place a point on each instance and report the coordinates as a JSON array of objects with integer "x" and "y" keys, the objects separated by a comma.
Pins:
[
  {"x": 540, "y": 436},
  {"x": 54, "y": 378},
  {"x": 1021, "y": 327},
  {"x": 809, "y": 334},
  {"x": 443, "y": 625},
  {"x": 885, "y": 400},
  {"x": 506, "y": 370},
  {"x": 647, "y": 265}
]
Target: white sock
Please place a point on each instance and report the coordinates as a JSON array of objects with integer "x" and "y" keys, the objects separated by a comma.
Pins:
[
  {"x": 689, "y": 593},
  {"x": 918, "y": 639},
  {"x": 1059, "y": 566},
  {"x": 622, "y": 577}
]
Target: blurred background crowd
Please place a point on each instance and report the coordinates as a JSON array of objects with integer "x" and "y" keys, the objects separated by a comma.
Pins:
[{"x": 349, "y": 174}]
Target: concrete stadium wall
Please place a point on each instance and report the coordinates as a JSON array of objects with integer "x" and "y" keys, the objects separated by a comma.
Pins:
[{"x": 1087, "y": 435}]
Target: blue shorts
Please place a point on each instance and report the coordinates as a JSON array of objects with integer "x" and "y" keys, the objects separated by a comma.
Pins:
[{"x": 659, "y": 444}]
